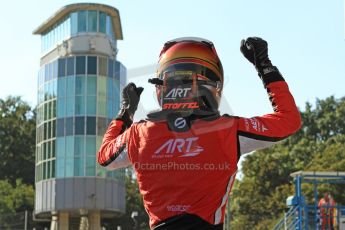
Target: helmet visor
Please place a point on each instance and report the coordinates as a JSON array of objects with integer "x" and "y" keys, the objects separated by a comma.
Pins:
[{"x": 181, "y": 90}]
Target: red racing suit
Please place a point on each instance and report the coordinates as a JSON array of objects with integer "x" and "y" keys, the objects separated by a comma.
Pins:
[{"x": 185, "y": 177}]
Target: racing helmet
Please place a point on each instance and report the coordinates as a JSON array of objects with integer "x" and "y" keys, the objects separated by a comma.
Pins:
[{"x": 189, "y": 76}]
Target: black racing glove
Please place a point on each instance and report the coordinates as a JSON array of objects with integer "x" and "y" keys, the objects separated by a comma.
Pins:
[
  {"x": 256, "y": 51},
  {"x": 129, "y": 104}
]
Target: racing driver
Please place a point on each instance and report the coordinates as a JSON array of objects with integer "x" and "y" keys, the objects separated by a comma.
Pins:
[{"x": 185, "y": 154}]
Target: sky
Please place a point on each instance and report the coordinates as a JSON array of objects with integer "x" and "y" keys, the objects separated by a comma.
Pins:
[{"x": 306, "y": 42}]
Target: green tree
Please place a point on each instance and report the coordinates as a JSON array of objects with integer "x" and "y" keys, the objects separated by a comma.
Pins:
[
  {"x": 17, "y": 159},
  {"x": 13, "y": 199},
  {"x": 258, "y": 200},
  {"x": 17, "y": 141}
]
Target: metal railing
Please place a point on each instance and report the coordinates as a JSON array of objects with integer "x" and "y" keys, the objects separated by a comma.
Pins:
[
  {"x": 289, "y": 221},
  {"x": 311, "y": 218}
]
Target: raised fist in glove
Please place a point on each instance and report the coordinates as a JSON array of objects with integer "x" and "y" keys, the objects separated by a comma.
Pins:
[
  {"x": 255, "y": 50},
  {"x": 129, "y": 104}
]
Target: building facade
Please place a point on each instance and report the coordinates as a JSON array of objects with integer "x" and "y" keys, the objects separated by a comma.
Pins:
[{"x": 79, "y": 85}]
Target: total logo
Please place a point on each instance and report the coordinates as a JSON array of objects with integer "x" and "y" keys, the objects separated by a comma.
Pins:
[
  {"x": 177, "y": 93},
  {"x": 176, "y": 146}
]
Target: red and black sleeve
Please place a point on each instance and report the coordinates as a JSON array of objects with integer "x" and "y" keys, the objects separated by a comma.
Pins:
[
  {"x": 262, "y": 131},
  {"x": 113, "y": 152}
]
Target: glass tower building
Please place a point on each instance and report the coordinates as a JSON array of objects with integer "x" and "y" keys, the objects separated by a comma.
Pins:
[{"x": 79, "y": 85}]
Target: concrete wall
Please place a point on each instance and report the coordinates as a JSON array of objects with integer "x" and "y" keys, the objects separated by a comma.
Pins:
[
  {"x": 75, "y": 193},
  {"x": 83, "y": 44}
]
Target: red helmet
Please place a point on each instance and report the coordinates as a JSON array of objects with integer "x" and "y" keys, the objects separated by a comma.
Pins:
[{"x": 189, "y": 76}]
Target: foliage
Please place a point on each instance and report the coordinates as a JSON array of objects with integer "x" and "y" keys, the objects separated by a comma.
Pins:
[
  {"x": 258, "y": 200},
  {"x": 17, "y": 159},
  {"x": 17, "y": 141},
  {"x": 14, "y": 199}
]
